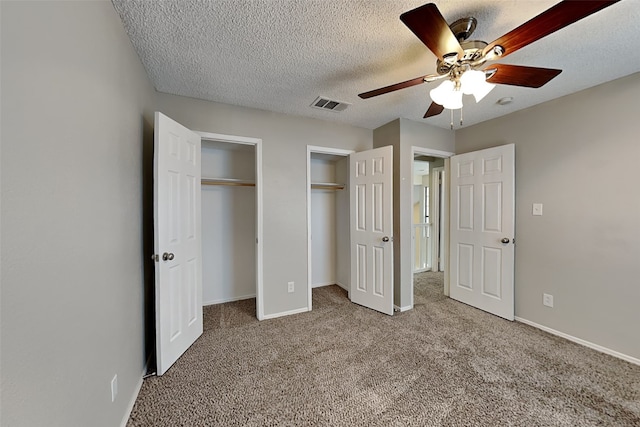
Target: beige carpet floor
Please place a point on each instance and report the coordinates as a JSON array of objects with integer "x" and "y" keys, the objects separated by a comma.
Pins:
[{"x": 441, "y": 364}]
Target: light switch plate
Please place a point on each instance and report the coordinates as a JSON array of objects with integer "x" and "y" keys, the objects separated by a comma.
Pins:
[{"x": 537, "y": 209}]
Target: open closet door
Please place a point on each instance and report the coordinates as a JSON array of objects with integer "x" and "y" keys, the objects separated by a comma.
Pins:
[
  {"x": 482, "y": 229},
  {"x": 371, "y": 194},
  {"x": 177, "y": 240}
]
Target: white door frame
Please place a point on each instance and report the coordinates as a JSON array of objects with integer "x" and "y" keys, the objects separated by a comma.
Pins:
[
  {"x": 257, "y": 143},
  {"x": 437, "y": 245},
  {"x": 445, "y": 203},
  {"x": 314, "y": 149}
]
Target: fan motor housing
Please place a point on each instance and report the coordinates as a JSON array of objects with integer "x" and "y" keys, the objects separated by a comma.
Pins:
[
  {"x": 463, "y": 28},
  {"x": 472, "y": 54}
]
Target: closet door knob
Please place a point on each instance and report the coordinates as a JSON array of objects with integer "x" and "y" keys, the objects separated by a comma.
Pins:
[
  {"x": 167, "y": 256},
  {"x": 505, "y": 240},
  {"x": 385, "y": 239}
]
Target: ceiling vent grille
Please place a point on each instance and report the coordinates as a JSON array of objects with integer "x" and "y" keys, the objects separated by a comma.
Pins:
[{"x": 323, "y": 103}]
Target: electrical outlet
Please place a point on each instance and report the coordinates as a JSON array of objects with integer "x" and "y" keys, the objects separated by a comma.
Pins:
[
  {"x": 290, "y": 287},
  {"x": 114, "y": 387},
  {"x": 547, "y": 300}
]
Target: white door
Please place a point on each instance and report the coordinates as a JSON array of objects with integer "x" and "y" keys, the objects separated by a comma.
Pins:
[
  {"x": 482, "y": 229},
  {"x": 371, "y": 194},
  {"x": 177, "y": 240}
]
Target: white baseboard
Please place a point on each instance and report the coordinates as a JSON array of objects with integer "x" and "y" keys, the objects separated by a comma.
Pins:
[
  {"x": 285, "y": 313},
  {"x": 580, "y": 341},
  {"x": 320, "y": 285},
  {"x": 401, "y": 309},
  {"x": 223, "y": 300},
  {"x": 127, "y": 412},
  {"x": 343, "y": 286}
]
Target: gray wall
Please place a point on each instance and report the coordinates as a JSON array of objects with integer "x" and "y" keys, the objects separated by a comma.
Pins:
[
  {"x": 578, "y": 155},
  {"x": 74, "y": 99},
  {"x": 284, "y": 156}
]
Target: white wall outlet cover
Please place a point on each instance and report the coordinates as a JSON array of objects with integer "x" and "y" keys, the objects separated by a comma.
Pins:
[
  {"x": 547, "y": 300},
  {"x": 290, "y": 286},
  {"x": 537, "y": 209}
]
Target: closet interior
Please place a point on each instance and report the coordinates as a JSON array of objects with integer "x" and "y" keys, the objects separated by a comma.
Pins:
[
  {"x": 329, "y": 216},
  {"x": 228, "y": 222}
]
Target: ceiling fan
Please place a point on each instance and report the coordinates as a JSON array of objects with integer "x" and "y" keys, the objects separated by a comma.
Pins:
[{"x": 462, "y": 63}]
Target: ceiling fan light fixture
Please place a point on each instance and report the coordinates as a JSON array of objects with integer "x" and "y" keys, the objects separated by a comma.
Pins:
[{"x": 458, "y": 55}]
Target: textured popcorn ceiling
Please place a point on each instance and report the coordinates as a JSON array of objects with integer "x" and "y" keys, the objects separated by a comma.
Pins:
[{"x": 279, "y": 55}]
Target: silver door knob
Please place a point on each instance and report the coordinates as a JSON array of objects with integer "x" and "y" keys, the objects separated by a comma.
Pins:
[
  {"x": 385, "y": 239},
  {"x": 167, "y": 256},
  {"x": 505, "y": 240}
]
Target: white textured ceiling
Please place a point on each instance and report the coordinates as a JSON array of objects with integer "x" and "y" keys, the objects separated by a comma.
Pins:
[{"x": 279, "y": 55}]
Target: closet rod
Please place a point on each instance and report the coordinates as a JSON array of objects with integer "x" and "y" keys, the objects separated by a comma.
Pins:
[
  {"x": 223, "y": 181},
  {"x": 327, "y": 186}
]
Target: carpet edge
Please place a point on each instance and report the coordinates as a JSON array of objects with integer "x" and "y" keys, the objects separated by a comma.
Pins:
[{"x": 580, "y": 341}]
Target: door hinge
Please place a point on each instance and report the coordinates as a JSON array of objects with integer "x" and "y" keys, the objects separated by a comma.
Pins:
[{"x": 155, "y": 257}]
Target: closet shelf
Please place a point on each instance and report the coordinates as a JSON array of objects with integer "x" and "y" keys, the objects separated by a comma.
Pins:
[
  {"x": 228, "y": 181},
  {"x": 326, "y": 186}
]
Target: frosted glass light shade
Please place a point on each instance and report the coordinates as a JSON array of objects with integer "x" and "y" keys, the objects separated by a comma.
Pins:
[
  {"x": 483, "y": 90},
  {"x": 446, "y": 95},
  {"x": 454, "y": 100},
  {"x": 474, "y": 82},
  {"x": 439, "y": 93},
  {"x": 471, "y": 80}
]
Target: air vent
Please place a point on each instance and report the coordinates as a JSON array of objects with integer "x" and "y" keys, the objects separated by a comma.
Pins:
[{"x": 328, "y": 104}]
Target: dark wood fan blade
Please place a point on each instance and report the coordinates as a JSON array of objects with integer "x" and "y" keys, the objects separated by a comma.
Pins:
[
  {"x": 434, "y": 110},
  {"x": 559, "y": 16},
  {"x": 518, "y": 75},
  {"x": 427, "y": 23},
  {"x": 391, "y": 88}
]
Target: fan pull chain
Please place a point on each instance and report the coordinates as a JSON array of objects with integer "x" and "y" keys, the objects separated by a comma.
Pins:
[{"x": 451, "y": 124}]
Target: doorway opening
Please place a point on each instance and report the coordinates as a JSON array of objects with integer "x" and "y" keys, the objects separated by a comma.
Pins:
[{"x": 429, "y": 211}]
